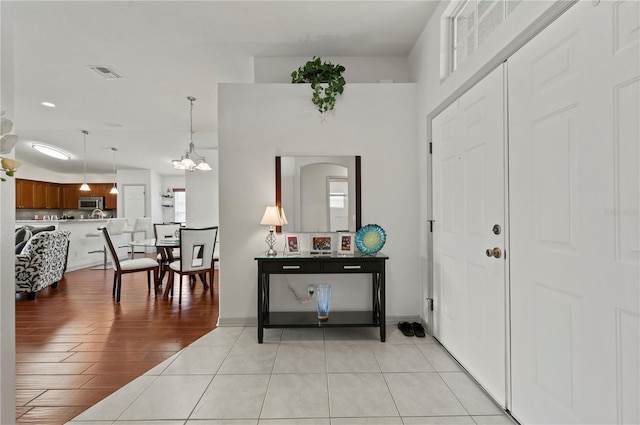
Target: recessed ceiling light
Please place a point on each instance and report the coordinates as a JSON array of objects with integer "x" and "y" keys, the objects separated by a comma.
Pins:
[
  {"x": 49, "y": 104},
  {"x": 51, "y": 151}
]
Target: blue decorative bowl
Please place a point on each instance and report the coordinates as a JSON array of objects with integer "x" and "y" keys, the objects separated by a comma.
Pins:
[{"x": 370, "y": 239}]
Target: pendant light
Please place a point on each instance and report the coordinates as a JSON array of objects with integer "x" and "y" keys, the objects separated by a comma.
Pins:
[
  {"x": 191, "y": 161},
  {"x": 114, "y": 189},
  {"x": 85, "y": 187}
]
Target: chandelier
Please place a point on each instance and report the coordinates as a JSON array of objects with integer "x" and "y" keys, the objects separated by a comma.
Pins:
[{"x": 191, "y": 161}]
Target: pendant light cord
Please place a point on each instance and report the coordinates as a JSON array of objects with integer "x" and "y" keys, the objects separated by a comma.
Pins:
[
  {"x": 85, "y": 132},
  {"x": 114, "y": 165},
  {"x": 191, "y": 99}
]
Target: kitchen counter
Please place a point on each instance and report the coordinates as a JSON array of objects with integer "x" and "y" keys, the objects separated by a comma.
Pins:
[
  {"x": 48, "y": 222},
  {"x": 79, "y": 244}
]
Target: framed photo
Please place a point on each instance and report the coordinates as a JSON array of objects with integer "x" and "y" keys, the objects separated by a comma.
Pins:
[
  {"x": 346, "y": 243},
  {"x": 292, "y": 245},
  {"x": 320, "y": 244}
]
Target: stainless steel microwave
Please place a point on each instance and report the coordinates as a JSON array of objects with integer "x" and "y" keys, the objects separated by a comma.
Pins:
[{"x": 90, "y": 202}]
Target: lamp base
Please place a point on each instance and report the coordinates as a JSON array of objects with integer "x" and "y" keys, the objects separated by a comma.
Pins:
[
  {"x": 271, "y": 241},
  {"x": 271, "y": 252}
]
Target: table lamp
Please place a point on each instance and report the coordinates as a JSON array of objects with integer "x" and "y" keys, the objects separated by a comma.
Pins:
[{"x": 273, "y": 216}]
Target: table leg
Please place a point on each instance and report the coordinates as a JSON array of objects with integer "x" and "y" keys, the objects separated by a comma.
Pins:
[
  {"x": 383, "y": 320},
  {"x": 260, "y": 312}
]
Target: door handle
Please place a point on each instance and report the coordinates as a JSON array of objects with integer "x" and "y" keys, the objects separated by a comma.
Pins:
[{"x": 495, "y": 252}]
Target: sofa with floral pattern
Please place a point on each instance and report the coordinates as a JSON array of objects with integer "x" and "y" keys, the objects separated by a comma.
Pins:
[{"x": 42, "y": 261}]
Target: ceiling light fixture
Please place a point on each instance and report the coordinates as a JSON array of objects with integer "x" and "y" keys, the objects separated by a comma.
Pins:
[
  {"x": 51, "y": 151},
  {"x": 114, "y": 189},
  {"x": 191, "y": 161},
  {"x": 85, "y": 187},
  {"x": 49, "y": 104}
]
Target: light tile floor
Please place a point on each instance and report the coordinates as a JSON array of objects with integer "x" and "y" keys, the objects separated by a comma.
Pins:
[{"x": 337, "y": 376}]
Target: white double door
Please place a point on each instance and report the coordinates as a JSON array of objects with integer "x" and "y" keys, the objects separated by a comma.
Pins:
[
  {"x": 574, "y": 137},
  {"x": 468, "y": 198},
  {"x": 573, "y": 290}
]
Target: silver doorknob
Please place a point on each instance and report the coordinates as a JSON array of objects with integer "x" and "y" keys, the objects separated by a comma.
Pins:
[{"x": 495, "y": 252}]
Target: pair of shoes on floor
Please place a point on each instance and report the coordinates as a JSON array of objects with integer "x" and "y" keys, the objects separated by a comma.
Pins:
[{"x": 411, "y": 329}]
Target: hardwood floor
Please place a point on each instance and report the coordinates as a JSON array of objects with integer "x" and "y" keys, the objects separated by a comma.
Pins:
[{"x": 75, "y": 345}]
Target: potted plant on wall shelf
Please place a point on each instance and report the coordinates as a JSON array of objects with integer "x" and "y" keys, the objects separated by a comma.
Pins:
[{"x": 326, "y": 81}]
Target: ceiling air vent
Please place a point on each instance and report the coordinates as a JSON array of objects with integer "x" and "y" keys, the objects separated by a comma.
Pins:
[{"x": 106, "y": 72}]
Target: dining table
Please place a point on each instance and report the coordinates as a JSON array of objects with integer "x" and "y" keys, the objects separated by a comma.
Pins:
[{"x": 164, "y": 247}]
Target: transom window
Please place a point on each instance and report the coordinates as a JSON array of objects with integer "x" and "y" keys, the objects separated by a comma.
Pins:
[{"x": 472, "y": 22}]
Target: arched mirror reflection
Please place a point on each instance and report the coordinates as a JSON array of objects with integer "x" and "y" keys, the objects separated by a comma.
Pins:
[{"x": 319, "y": 194}]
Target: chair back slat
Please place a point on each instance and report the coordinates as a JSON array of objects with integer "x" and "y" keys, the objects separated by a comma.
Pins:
[
  {"x": 116, "y": 226},
  {"x": 196, "y": 248},
  {"x": 111, "y": 251},
  {"x": 141, "y": 224}
]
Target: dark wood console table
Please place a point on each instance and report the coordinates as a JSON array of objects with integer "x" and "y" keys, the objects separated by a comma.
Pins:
[{"x": 319, "y": 264}]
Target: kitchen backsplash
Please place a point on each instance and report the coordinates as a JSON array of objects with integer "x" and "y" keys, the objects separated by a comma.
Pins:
[{"x": 29, "y": 214}]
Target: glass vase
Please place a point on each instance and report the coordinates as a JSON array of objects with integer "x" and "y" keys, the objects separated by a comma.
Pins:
[{"x": 323, "y": 291}]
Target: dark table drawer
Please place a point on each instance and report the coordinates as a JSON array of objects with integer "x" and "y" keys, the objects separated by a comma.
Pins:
[
  {"x": 347, "y": 266},
  {"x": 291, "y": 267}
]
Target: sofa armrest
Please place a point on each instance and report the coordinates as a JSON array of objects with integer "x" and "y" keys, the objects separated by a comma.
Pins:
[{"x": 23, "y": 260}]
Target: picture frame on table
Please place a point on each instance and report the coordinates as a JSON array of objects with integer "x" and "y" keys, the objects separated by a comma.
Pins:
[
  {"x": 320, "y": 244},
  {"x": 291, "y": 244},
  {"x": 346, "y": 243}
]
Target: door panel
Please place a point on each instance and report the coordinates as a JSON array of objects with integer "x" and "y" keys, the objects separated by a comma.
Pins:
[
  {"x": 574, "y": 190},
  {"x": 468, "y": 200},
  {"x": 134, "y": 202}
]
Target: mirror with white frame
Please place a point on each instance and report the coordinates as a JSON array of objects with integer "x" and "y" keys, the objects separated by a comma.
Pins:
[{"x": 319, "y": 193}]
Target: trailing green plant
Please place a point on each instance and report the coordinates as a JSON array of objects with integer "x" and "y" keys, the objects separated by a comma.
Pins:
[{"x": 326, "y": 81}]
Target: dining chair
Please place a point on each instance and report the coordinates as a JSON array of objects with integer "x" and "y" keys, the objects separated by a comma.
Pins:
[
  {"x": 166, "y": 231},
  {"x": 129, "y": 266},
  {"x": 140, "y": 225},
  {"x": 196, "y": 256},
  {"x": 116, "y": 226}
]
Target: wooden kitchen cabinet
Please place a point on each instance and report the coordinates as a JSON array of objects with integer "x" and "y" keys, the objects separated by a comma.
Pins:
[
  {"x": 103, "y": 189},
  {"x": 35, "y": 194},
  {"x": 110, "y": 200},
  {"x": 54, "y": 195},
  {"x": 70, "y": 195},
  {"x": 40, "y": 195},
  {"x": 25, "y": 193}
]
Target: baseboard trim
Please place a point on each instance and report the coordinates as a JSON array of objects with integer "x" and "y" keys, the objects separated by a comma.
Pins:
[{"x": 252, "y": 321}]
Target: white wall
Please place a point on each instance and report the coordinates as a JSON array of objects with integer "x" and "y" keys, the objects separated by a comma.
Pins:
[
  {"x": 153, "y": 189},
  {"x": 358, "y": 69},
  {"x": 155, "y": 192},
  {"x": 7, "y": 238},
  {"x": 33, "y": 172},
  {"x": 259, "y": 121},
  {"x": 202, "y": 193},
  {"x": 172, "y": 182},
  {"x": 7, "y": 301}
]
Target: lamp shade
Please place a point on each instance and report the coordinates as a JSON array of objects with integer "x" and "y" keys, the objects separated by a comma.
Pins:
[
  {"x": 203, "y": 166},
  {"x": 273, "y": 216}
]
